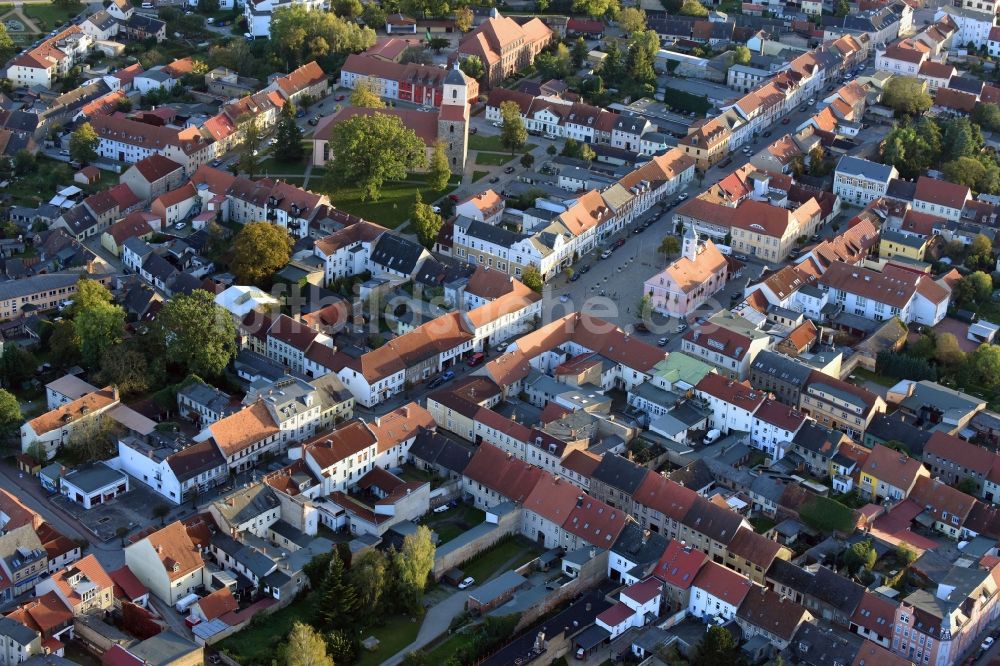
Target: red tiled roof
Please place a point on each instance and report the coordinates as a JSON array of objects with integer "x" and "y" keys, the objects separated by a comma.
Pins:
[
  {"x": 740, "y": 394},
  {"x": 723, "y": 583},
  {"x": 679, "y": 565}
]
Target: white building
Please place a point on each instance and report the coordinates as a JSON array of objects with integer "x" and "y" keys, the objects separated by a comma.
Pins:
[
  {"x": 258, "y": 13},
  {"x": 860, "y": 182},
  {"x": 892, "y": 293},
  {"x": 176, "y": 472},
  {"x": 717, "y": 592},
  {"x": 731, "y": 403},
  {"x": 773, "y": 427}
]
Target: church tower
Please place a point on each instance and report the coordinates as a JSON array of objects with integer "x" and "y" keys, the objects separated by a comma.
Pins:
[
  {"x": 453, "y": 119},
  {"x": 689, "y": 249}
]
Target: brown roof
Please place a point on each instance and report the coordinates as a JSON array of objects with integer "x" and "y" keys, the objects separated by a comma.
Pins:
[
  {"x": 155, "y": 167},
  {"x": 73, "y": 411},
  {"x": 875, "y": 613},
  {"x": 181, "y": 66},
  {"x": 965, "y": 454},
  {"x": 937, "y": 70},
  {"x": 91, "y": 569},
  {"x": 772, "y": 612},
  {"x": 489, "y": 284},
  {"x": 723, "y": 583},
  {"x": 423, "y": 123},
  {"x": 350, "y": 438},
  {"x": 596, "y": 522},
  {"x": 893, "y": 289},
  {"x": 217, "y": 603},
  {"x": 44, "y": 614},
  {"x": 942, "y": 501},
  {"x": 893, "y": 467},
  {"x": 248, "y": 426},
  {"x": 361, "y": 232},
  {"x": 302, "y": 78},
  {"x": 553, "y": 498},
  {"x": 740, "y": 394},
  {"x": 755, "y": 548},
  {"x": 177, "y": 552},
  {"x": 582, "y": 462},
  {"x": 130, "y": 227},
  {"x": 400, "y": 425},
  {"x": 679, "y": 565},
  {"x": 803, "y": 335},
  {"x": 127, "y": 585},
  {"x": 18, "y": 514},
  {"x": 873, "y": 654},
  {"x": 941, "y": 192},
  {"x": 668, "y": 497},
  {"x": 174, "y": 197},
  {"x": 503, "y": 473}
]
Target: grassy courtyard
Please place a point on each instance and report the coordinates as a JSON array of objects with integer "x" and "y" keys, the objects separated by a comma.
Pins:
[
  {"x": 493, "y": 159},
  {"x": 52, "y": 15},
  {"x": 256, "y": 644},
  {"x": 396, "y": 201},
  {"x": 393, "y": 636},
  {"x": 454, "y": 522},
  {"x": 508, "y": 554},
  {"x": 492, "y": 144}
]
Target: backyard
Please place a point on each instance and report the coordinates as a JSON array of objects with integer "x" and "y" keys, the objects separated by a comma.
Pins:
[
  {"x": 40, "y": 185},
  {"x": 51, "y": 15},
  {"x": 393, "y": 636},
  {"x": 492, "y": 144},
  {"x": 508, "y": 554},
  {"x": 257, "y": 643},
  {"x": 396, "y": 201},
  {"x": 453, "y": 522},
  {"x": 493, "y": 159}
]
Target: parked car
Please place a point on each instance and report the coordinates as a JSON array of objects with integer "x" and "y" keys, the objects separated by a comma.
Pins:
[
  {"x": 509, "y": 170},
  {"x": 216, "y": 163},
  {"x": 785, "y": 121},
  {"x": 340, "y": 98},
  {"x": 467, "y": 582},
  {"x": 474, "y": 130},
  {"x": 606, "y": 253},
  {"x": 301, "y": 113},
  {"x": 314, "y": 120},
  {"x": 681, "y": 328},
  {"x": 453, "y": 197},
  {"x": 495, "y": 179},
  {"x": 711, "y": 436},
  {"x": 662, "y": 342},
  {"x": 987, "y": 644},
  {"x": 619, "y": 242},
  {"x": 564, "y": 298},
  {"x": 641, "y": 327},
  {"x": 476, "y": 359},
  {"x": 584, "y": 269},
  {"x": 180, "y": 225},
  {"x": 576, "y": 276},
  {"x": 436, "y": 209},
  {"x": 441, "y": 509}
]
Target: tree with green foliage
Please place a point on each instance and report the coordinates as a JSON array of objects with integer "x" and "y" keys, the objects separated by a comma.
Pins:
[
  {"x": 259, "y": 250},
  {"x": 973, "y": 289},
  {"x": 439, "y": 172},
  {"x": 556, "y": 63},
  {"x": 125, "y": 366},
  {"x": 425, "y": 222},
  {"x": 251, "y": 133},
  {"x": 98, "y": 328},
  {"x": 669, "y": 246},
  {"x": 966, "y": 171},
  {"x": 631, "y": 19},
  {"x": 17, "y": 365},
  {"x": 907, "y": 96},
  {"x": 10, "y": 413},
  {"x": 7, "y": 46},
  {"x": 364, "y": 95},
  {"x": 349, "y": 9},
  {"x": 741, "y": 55},
  {"x": 905, "y": 555},
  {"x": 860, "y": 556},
  {"x": 411, "y": 566},
  {"x": 373, "y": 16},
  {"x": 288, "y": 138},
  {"x": 368, "y": 577},
  {"x": 904, "y": 366},
  {"x": 579, "y": 52},
  {"x": 513, "y": 134},
  {"x": 911, "y": 149},
  {"x": 980, "y": 253},
  {"x": 532, "y": 279},
  {"x": 338, "y": 600},
  {"x": 299, "y": 35},
  {"x": 947, "y": 352},
  {"x": 968, "y": 486},
  {"x": 639, "y": 65},
  {"x": 527, "y": 160},
  {"x": 472, "y": 66},
  {"x": 987, "y": 116},
  {"x": 463, "y": 19},
  {"x": 83, "y": 143},
  {"x": 613, "y": 66},
  {"x": 693, "y": 8},
  {"x": 983, "y": 367},
  {"x": 551, "y": 151},
  {"x": 587, "y": 153},
  {"x": 64, "y": 345},
  {"x": 596, "y": 8},
  {"x": 24, "y": 161},
  {"x": 843, "y": 8},
  {"x": 960, "y": 138},
  {"x": 717, "y": 648},
  {"x": 197, "y": 335},
  {"x": 371, "y": 150},
  {"x": 438, "y": 44},
  {"x": 305, "y": 647}
]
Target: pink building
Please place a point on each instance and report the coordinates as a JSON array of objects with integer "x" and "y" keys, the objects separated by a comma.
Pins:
[{"x": 689, "y": 281}]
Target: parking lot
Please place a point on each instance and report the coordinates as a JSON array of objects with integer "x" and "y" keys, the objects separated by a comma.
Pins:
[{"x": 130, "y": 511}]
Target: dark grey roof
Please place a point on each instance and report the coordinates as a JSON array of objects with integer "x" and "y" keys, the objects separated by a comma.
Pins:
[
  {"x": 836, "y": 591},
  {"x": 902, "y": 190},
  {"x": 769, "y": 487},
  {"x": 695, "y": 476},
  {"x": 886, "y": 427},
  {"x": 781, "y": 367},
  {"x": 102, "y": 20},
  {"x": 79, "y": 219},
  {"x": 158, "y": 267},
  {"x": 817, "y": 439},
  {"x": 291, "y": 533},
  {"x": 397, "y": 253},
  {"x": 489, "y": 233},
  {"x": 969, "y": 84},
  {"x": 620, "y": 473},
  {"x": 245, "y": 504},
  {"x": 712, "y": 520},
  {"x": 640, "y": 546},
  {"x": 455, "y": 77},
  {"x": 824, "y": 645},
  {"x": 184, "y": 283},
  {"x": 790, "y": 575},
  {"x": 145, "y": 23},
  {"x": 438, "y": 449},
  {"x": 89, "y": 478},
  {"x": 164, "y": 648},
  {"x": 16, "y": 631},
  {"x": 19, "y": 121},
  {"x": 856, "y": 166},
  {"x": 35, "y": 284}
]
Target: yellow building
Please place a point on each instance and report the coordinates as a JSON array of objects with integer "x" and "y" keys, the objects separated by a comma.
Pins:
[{"x": 896, "y": 244}]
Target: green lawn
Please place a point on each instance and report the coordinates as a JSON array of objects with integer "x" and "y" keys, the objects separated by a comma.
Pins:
[
  {"x": 272, "y": 165},
  {"x": 489, "y": 562},
  {"x": 393, "y": 207},
  {"x": 867, "y": 375},
  {"x": 40, "y": 185},
  {"x": 393, "y": 636},
  {"x": 492, "y": 143},
  {"x": 493, "y": 159},
  {"x": 257, "y": 643},
  {"x": 761, "y": 524},
  {"x": 51, "y": 15},
  {"x": 479, "y": 175},
  {"x": 448, "y": 648},
  {"x": 453, "y": 522},
  {"x": 685, "y": 101}
]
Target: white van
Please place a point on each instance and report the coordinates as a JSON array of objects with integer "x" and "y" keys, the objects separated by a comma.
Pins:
[
  {"x": 186, "y": 602},
  {"x": 147, "y": 5}
]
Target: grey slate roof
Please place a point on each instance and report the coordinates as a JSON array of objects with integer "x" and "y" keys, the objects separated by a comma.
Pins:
[
  {"x": 396, "y": 253},
  {"x": 89, "y": 478},
  {"x": 19, "y": 633},
  {"x": 37, "y": 283},
  {"x": 438, "y": 449},
  {"x": 620, "y": 473},
  {"x": 781, "y": 367}
]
